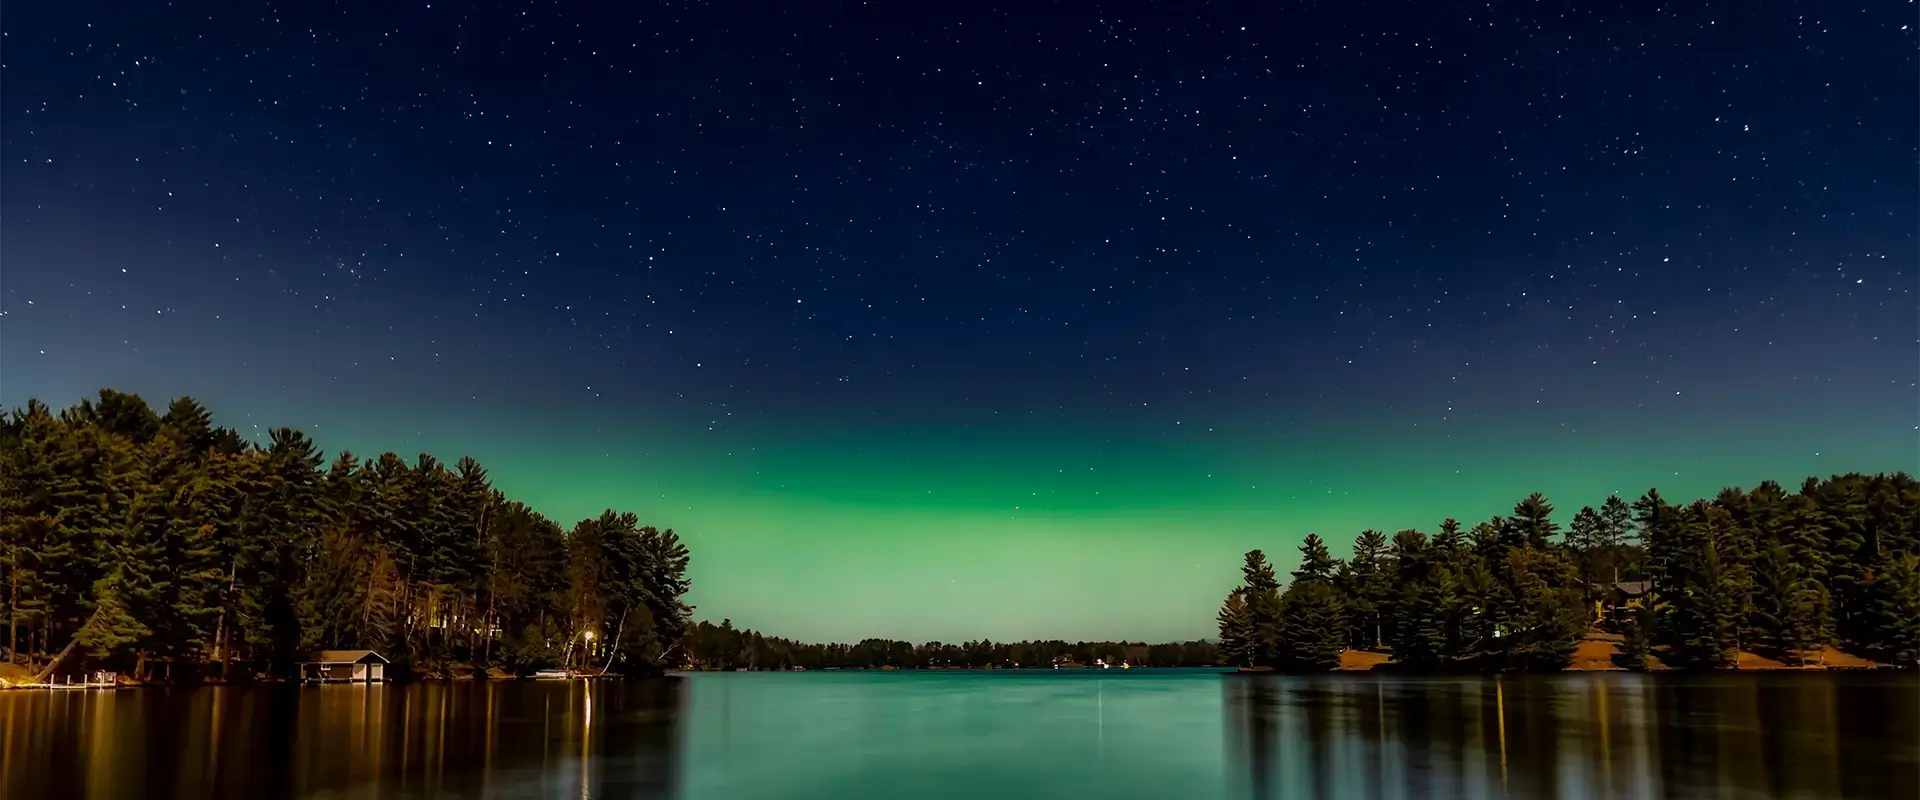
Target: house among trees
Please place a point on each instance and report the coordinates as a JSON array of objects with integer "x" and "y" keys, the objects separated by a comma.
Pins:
[
  {"x": 344, "y": 666},
  {"x": 1622, "y": 593}
]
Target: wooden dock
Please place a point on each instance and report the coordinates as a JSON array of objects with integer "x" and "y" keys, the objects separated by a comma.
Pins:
[{"x": 98, "y": 680}]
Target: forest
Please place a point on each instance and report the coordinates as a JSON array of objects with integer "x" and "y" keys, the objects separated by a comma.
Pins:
[
  {"x": 710, "y": 646},
  {"x": 162, "y": 546},
  {"x": 1684, "y": 586}
]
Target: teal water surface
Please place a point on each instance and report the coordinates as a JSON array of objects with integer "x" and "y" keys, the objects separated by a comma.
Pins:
[{"x": 1105, "y": 734}]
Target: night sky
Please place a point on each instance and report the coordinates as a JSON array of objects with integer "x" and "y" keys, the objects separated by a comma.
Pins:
[{"x": 941, "y": 321}]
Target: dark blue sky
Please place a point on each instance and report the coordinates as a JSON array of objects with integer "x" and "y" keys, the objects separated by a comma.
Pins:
[
  {"x": 913, "y": 195},
  {"x": 716, "y": 227}
]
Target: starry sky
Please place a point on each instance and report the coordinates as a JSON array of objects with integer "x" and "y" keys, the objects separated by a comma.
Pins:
[{"x": 946, "y": 320}]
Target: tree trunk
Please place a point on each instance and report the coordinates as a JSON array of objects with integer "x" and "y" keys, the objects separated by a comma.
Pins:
[
  {"x": 54, "y": 665},
  {"x": 220, "y": 630},
  {"x": 13, "y": 605},
  {"x": 486, "y": 622},
  {"x": 47, "y": 671},
  {"x": 615, "y": 648}
]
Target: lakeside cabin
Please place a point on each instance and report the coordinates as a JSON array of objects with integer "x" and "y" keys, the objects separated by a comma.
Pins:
[
  {"x": 344, "y": 666},
  {"x": 1619, "y": 595}
]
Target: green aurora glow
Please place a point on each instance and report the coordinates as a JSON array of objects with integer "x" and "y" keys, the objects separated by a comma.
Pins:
[{"x": 954, "y": 534}]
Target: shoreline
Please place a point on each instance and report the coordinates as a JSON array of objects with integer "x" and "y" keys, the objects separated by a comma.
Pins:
[{"x": 1599, "y": 652}]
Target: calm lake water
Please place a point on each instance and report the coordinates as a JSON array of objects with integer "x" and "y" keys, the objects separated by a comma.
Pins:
[{"x": 1139, "y": 734}]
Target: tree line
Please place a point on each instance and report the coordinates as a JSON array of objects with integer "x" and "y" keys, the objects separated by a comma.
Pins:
[
  {"x": 722, "y": 646},
  {"x": 1769, "y": 571},
  {"x": 164, "y": 546}
]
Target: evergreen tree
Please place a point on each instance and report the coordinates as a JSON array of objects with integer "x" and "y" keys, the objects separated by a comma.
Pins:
[
  {"x": 1368, "y": 587},
  {"x": 1236, "y": 631},
  {"x": 278, "y": 538},
  {"x": 1658, "y": 534},
  {"x": 190, "y": 424},
  {"x": 1316, "y": 563},
  {"x": 1586, "y": 538},
  {"x": 1478, "y": 638},
  {"x": 1636, "y": 645},
  {"x": 1706, "y": 612},
  {"x": 1532, "y": 521},
  {"x": 1616, "y": 519},
  {"x": 1548, "y": 617},
  {"x": 118, "y": 414},
  {"x": 1449, "y": 544},
  {"x": 1312, "y": 630},
  {"x": 32, "y": 525},
  {"x": 1784, "y": 613},
  {"x": 1260, "y": 595},
  {"x": 1406, "y": 572},
  {"x": 1312, "y": 633},
  {"x": 128, "y": 536},
  {"x": 1485, "y": 542},
  {"x": 1615, "y": 558},
  {"x": 1426, "y": 629},
  {"x": 1898, "y": 589}
]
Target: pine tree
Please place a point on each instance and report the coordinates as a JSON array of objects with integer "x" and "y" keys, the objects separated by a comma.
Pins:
[
  {"x": 1236, "y": 631},
  {"x": 1312, "y": 631},
  {"x": 1616, "y": 521},
  {"x": 32, "y": 523},
  {"x": 1260, "y": 594},
  {"x": 1636, "y": 645},
  {"x": 1840, "y": 515},
  {"x": 1406, "y": 572},
  {"x": 1898, "y": 590},
  {"x": 1367, "y": 586},
  {"x": 1804, "y": 532},
  {"x": 1480, "y": 598},
  {"x": 1586, "y": 538},
  {"x": 1658, "y": 533},
  {"x": 1613, "y": 555},
  {"x": 1316, "y": 563},
  {"x": 119, "y": 414},
  {"x": 1449, "y": 544},
  {"x": 1706, "y": 612},
  {"x": 190, "y": 424},
  {"x": 1532, "y": 521},
  {"x": 665, "y": 560},
  {"x": 1484, "y": 540},
  {"x": 1548, "y": 617},
  {"x": 278, "y": 539},
  {"x": 1784, "y": 616},
  {"x": 1425, "y": 629},
  {"x": 96, "y": 483}
]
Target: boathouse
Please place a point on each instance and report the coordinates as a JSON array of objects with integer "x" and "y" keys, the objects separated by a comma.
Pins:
[{"x": 344, "y": 666}]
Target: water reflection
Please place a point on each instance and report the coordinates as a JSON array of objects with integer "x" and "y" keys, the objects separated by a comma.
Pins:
[
  {"x": 1589, "y": 736},
  {"x": 474, "y": 739},
  {"x": 1144, "y": 734}
]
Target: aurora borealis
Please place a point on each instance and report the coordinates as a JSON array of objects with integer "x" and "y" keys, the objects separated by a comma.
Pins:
[{"x": 936, "y": 322}]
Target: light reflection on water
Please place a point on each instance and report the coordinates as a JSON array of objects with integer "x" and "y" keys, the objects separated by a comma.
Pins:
[{"x": 1044, "y": 734}]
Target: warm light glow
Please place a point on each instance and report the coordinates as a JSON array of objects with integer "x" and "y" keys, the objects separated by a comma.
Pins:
[{"x": 589, "y": 636}]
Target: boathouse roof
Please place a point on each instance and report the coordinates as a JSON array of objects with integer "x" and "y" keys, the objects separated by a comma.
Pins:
[{"x": 347, "y": 657}]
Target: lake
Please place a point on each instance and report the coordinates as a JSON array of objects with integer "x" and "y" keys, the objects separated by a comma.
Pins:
[{"x": 1105, "y": 734}]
